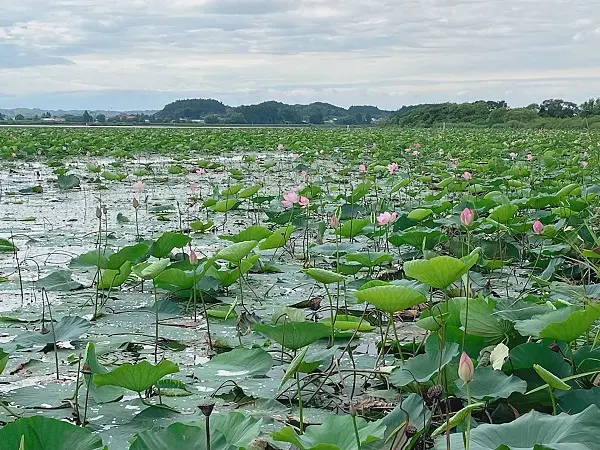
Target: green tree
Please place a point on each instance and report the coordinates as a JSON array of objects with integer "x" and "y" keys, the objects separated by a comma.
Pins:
[
  {"x": 558, "y": 108},
  {"x": 87, "y": 117},
  {"x": 316, "y": 118},
  {"x": 19, "y": 117},
  {"x": 101, "y": 118}
]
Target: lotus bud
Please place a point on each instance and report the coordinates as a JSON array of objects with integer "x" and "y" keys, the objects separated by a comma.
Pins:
[
  {"x": 467, "y": 216},
  {"x": 98, "y": 212},
  {"x": 193, "y": 258},
  {"x": 538, "y": 227},
  {"x": 465, "y": 368},
  {"x": 136, "y": 204},
  {"x": 334, "y": 221}
]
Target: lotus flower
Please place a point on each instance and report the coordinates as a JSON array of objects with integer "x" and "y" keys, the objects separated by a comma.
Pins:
[
  {"x": 304, "y": 201},
  {"x": 193, "y": 187},
  {"x": 200, "y": 171},
  {"x": 584, "y": 164},
  {"x": 280, "y": 147},
  {"x": 467, "y": 175},
  {"x": 529, "y": 157},
  {"x": 465, "y": 368},
  {"x": 392, "y": 168},
  {"x": 416, "y": 153},
  {"x": 290, "y": 199},
  {"x": 538, "y": 227},
  {"x": 386, "y": 218},
  {"x": 467, "y": 216},
  {"x": 513, "y": 155},
  {"x": 362, "y": 168},
  {"x": 138, "y": 186}
]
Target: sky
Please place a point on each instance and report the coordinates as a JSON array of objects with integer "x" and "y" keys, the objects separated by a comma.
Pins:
[{"x": 142, "y": 54}]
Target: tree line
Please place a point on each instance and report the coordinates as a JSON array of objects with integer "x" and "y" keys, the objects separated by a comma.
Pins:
[{"x": 551, "y": 113}]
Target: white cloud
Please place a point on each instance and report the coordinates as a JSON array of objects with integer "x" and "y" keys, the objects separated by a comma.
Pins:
[{"x": 385, "y": 52}]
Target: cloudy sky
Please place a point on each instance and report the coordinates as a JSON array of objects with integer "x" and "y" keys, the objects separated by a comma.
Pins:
[{"x": 141, "y": 54}]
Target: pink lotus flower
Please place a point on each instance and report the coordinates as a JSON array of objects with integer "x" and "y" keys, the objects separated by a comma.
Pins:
[
  {"x": 295, "y": 156},
  {"x": 584, "y": 164},
  {"x": 200, "y": 171},
  {"x": 392, "y": 168},
  {"x": 374, "y": 145},
  {"x": 386, "y": 218},
  {"x": 290, "y": 199},
  {"x": 362, "y": 168},
  {"x": 538, "y": 227},
  {"x": 304, "y": 201},
  {"x": 416, "y": 153},
  {"x": 529, "y": 157},
  {"x": 465, "y": 368},
  {"x": 193, "y": 187},
  {"x": 467, "y": 217},
  {"x": 280, "y": 147},
  {"x": 193, "y": 258},
  {"x": 138, "y": 186},
  {"x": 334, "y": 222},
  {"x": 303, "y": 173},
  {"x": 585, "y": 154},
  {"x": 467, "y": 175},
  {"x": 407, "y": 150},
  {"x": 513, "y": 155}
]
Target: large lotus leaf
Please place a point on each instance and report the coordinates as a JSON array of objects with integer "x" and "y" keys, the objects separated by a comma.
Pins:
[
  {"x": 136, "y": 377},
  {"x": 69, "y": 328},
  {"x": 503, "y": 213},
  {"x": 352, "y": 227},
  {"x": 441, "y": 271},
  {"x": 419, "y": 214},
  {"x": 490, "y": 384},
  {"x": 6, "y": 246},
  {"x": 418, "y": 237},
  {"x": 100, "y": 394},
  {"x": 150, "y": 270},
  {"x": 523, "y": 357},
  {"x": 236, "y": 364},
  {"x": 278, "y": 238},
  {"x": 252, "y": 233},
  {"x": 43, "y": 433},
  {"x": 482, "y": 321},
  {"x": 59, "y": 280},
  {"x": 225, "y": 205},
  {"x": 577, "y": 400},
  {"x": 115, "y": 278},
  {"x": 249, "y": 191},
  {"x": 565, "y": 324},
  {"x": 359, "y": 192},
  {"x": 294, "y": 335},
  {"x": 335, "y": 433},
  {"x": 92, "y": 258},
  {"x": 227, "y": 432},
  {"x": 163, "y": 246},
  {"x": 390, "y": 298},
  {"x": 422, "y": 368},
  {"x": 133, "y": 254},
  {"x": 587, "y": 359},
  {"x": 370, "y": 259},
  {"x": 176, "y": 277},
  {"x": 67, "y": 182},
  {"x": 534, "y": 431},
  {"x": 236, "y": 252},
  {"x": 324, "y": 276}
]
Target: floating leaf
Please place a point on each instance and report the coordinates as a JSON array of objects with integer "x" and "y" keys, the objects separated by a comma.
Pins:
[
  {"x": 237, "y": 364},
  {"x": 136, "y": 377}
]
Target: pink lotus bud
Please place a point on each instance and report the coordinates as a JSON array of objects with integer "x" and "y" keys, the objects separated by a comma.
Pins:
[
  {"x": 193, "y": 187},
  {"x": 538, "y": 227},
  {"x": 193, "y": 258},
  {"x": 280, "y": 147},
  {"x": 334, "y": 222},
  {"x": 386, "y": 218},
  {"x": 529, "y": 157},
  {"x": 467, "y": 175},
  {"x": 362, "y": 168},
  {"x": 465, "y": 368},
  {"x": 584, "y": 164},
  {"x": 467, "y": 216}
]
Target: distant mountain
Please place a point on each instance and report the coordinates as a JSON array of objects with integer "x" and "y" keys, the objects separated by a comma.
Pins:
[
  {"x": 270, "y": 112},
  {"x": 29, "y": 113}
]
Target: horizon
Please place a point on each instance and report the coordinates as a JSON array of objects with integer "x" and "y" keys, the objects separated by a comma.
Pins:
[{"x": 60, "y": 54}]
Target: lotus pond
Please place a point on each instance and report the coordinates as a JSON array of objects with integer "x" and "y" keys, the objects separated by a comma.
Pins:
[{"x": 359, "y": 289}]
